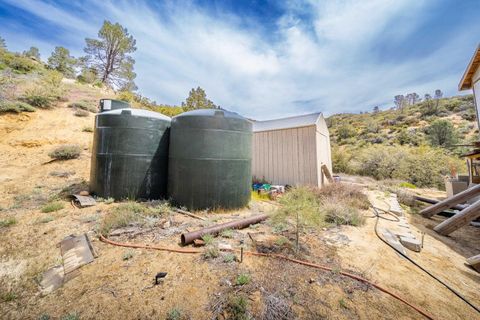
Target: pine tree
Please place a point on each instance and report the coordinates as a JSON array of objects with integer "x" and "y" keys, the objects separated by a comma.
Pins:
[
  {"x": 197, "y": 99},
  {"x": 62, "y": 61},
  {"x": 109, "y": 55},
  {"x": 33, "y": 52}
]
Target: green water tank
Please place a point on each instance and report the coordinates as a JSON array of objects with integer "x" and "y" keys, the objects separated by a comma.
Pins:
[
  {"x": 111, "y": 104},
  {"x": 130, "y": 154},
  {"x": 210, "y": 160}
]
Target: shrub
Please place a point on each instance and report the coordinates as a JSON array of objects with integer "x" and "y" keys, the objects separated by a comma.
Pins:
[
  {"x": 122, "y": 216},
  {"x": 83, "y": 105},
  {"x": 38, "y": 98},
  {"x": 52, "y": 207},
  {"x": 15, "y": 107},
  {"x": 127, "y": 255},
  {"x": 208, "y": 239},
  {"x": 46, "y": 219},
  {"x": 175, "y": 314},
  {"x": 9, "y": 296},
  {"x": 341, "y": 160},
  {"x": 66, "y": 152},
  {"x": 229, "y": 257},
  {"x": 379, "y": 162},
  {"x": 281, "y": 241},
  {"x": 18, "y": 63},
  {"x": 25, "y": 107},
  {"x": 227, "y": 233},
  {"x": 441, "y": 133},
  {"x": 345, "y": 132},
  {"x": 87, "y": 129},
  {"x": 71, "y": 316},
  {"x": 81, "y": 113},
  {"x": 242, "y": 279},
  {"x": 47, "y": 91},
  {"x": 407, "y": 185},
  {"x": 87, "y": 76},
  {"x": 421, "y": 166},
  {"x": 237, "y": 308},
  {"x": 10, "y": 221},
  {"x": 342, "y": 214},
  {"x": 211, "y": 252},
  {"x": 126, "y": 96}
]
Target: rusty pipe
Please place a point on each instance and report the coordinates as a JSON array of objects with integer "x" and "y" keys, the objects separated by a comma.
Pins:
[{"x": 188, "y": 238}]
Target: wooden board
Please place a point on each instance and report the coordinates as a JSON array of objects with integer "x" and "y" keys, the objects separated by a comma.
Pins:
[
  {"x": 474, "y": 262},
  {"x": 327, "y": 173},
  {"x": 461, "y": 197},
  {"x": 76, "y": 252},
  {"x": 459, "y": 220}
]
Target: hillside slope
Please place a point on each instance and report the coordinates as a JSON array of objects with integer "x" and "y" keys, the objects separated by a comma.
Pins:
[
  {"x": 406, "y": 126},
  {"x": 115, "y": 286},
  {"x": 401, "y": 145}
]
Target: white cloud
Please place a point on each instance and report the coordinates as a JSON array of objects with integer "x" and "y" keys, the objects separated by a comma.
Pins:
[{"x": 326, "y": 64}]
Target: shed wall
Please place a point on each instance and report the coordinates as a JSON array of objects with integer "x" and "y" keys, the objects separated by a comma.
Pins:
[{"x": 288, "y": 156}]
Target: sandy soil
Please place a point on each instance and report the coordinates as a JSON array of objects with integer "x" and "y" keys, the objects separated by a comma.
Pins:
[{"x": 114, "y": 288}]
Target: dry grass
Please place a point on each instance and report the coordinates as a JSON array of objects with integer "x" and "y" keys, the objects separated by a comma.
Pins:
[
  {"x": 277, "y": 308},
  {"x": 52, "y": 207},
  {"x": 336, "y": 203},
  {"x": 7, "y": 222},
  {"x": 342, "y": 204},
  {"x": 133, "y": 214},
  {"x": 345, "y": 193},
  {"x": 81, "y": 113},
  {"x": 66, "y": 152}
]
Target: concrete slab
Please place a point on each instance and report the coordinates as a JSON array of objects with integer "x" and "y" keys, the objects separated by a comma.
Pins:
[
  {"x": 393, "y": 240},
  {"x": 403, "y": 233},
  {"x": 411, "y": 243}
]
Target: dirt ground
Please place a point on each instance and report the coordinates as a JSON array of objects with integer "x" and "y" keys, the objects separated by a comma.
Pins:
[{"x": 113, "y": 287}]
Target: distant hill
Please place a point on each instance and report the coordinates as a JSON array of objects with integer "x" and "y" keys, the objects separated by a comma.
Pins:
[
  {"x": 401, "y": 144},
  {"x": 405, "y": 127}
]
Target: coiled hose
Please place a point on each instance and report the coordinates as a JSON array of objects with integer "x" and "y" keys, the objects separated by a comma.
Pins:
[
  {"x": 276, "y": 256},
  {"x": 377, "y": 214}
]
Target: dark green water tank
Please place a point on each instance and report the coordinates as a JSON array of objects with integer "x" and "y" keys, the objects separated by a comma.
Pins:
[
  {"x": 210, "y": 160},
  {"x": 130, "y": 154},
  {"x": 111, "y": 104}
]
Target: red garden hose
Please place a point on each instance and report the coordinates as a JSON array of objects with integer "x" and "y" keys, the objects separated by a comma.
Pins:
[{"x": 276, "y": 256}]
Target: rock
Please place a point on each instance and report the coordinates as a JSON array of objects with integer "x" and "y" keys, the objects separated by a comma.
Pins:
[
  {"x": 84, "y": 193},
  {"x": 198, "y": 242},
  {"x": 224, "y": 246},
  {"x": 167, "y": 224},
  {"x": 411, "y": 243}
]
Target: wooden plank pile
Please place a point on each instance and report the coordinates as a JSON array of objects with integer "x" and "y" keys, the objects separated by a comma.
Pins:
[{"x": 462, "y": 218}]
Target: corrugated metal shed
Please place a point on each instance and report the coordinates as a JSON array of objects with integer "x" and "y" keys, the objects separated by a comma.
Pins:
[{"x": 291, "y": 150}]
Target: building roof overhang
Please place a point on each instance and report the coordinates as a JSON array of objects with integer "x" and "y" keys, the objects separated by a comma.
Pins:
[{"x": 466, "y": 82}]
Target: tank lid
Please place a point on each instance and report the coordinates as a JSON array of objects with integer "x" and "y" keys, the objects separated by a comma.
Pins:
[
  {"x": 211, "y": 113},
  {"x": 138, "y": 113}
]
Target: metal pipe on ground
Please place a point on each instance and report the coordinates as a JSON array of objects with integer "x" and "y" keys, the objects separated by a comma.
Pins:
[
  {"x": 188, "y": 238},
  {"x": 435, "y": 201}
]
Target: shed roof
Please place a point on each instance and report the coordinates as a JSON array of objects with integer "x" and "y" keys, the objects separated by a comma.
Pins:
[
  {"x": 287, "y": 123},
  {"x": 466, "y": 82}
]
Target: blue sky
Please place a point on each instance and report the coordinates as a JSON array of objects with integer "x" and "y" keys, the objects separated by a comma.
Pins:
[{"x": 268, "y": 59}]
